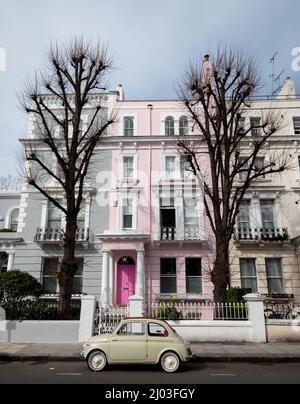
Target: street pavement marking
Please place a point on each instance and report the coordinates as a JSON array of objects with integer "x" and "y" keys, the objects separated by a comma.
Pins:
[
  {"x": 69, "y": 374},
  {"x": 223, "y": 374}
]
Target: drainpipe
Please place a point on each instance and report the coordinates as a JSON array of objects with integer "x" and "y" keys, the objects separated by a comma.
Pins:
[{"x": 150, "y": 107}]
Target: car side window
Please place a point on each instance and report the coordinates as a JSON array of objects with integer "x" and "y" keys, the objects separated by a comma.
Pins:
[
  {"x": 157, "y": 330},
  {"x": 132, "y": 328}
]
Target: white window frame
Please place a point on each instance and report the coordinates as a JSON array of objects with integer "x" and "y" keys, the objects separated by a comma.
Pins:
[
  {"x": 194, "y": 277},
  {"x": 177, "y": 166},
  {"x": 9, "y": 214},
  {"x": 121, "y": 124},
  {"x": 275, "y": 277},
  {"x": 124, "y": 178},
  {"x": 49, "y": 276},
  {"x": 124, "y": 127},
  {"x": 176, "y": 116},
  {"x": 123, "y": 196},
  {"x": 188, "y": 126},
  {"x": 244, "y": 278},
  {"x": 135, "y": 165}
]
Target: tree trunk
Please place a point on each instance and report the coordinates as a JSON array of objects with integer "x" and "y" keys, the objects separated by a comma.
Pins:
[
  {"x": 66, "y": 271},
  {"x": 221, "y": 272}
]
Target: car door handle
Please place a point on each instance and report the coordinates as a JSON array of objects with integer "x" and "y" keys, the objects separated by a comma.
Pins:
[{"x": 114, "y": 340}]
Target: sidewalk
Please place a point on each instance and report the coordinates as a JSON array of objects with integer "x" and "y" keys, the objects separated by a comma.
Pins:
[{"x": 223, "y": 352}]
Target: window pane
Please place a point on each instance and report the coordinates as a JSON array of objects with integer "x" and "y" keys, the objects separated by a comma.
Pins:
[
  {"x": 267, "y": 214},
  {"x": 255, "y": 123},
  {"x": 169, "y": 126},
  {"x": 157, "y": 330},
  {"x": 296, "y": 121},
  {"x": 168, "y": 284},
  {"x": 248, "y": 274},
  {"x": 50, "y": 266},
  {"x": 132, "y": 328},
  {"x": 168, "y": 266},
  {"x": 128, "y": 126},
  {"x": 273, "y": 267},
  {"x": 54, "y": 217},
  {"x": 249, "y": 283},
  {"x": 274, "y": 276},
  {"x": 127, "y": 221},
  {"x": 170, "y": 166},
  {"x": 128, "y": 167},
  {"x": 247, "y": 267},
  {"x": 194, "y": 285},
  {"x": 193, "y": 267},
  {"x": 183, "y": 126},
  {"x": 77, "y": 285},
  {"x": 14, "y": 219},
  {"x": 244, "y": 216},
  {"x": 241, "y": 124},
  {"x": 49, "y": 285}
]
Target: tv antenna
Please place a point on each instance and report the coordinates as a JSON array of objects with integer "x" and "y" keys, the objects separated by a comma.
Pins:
[{"x": 275, "y": 78}]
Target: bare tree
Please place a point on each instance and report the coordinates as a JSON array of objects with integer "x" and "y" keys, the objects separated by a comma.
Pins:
[
  {"x": 216, "y": 95},
  {"x": 75, "y": 72}
]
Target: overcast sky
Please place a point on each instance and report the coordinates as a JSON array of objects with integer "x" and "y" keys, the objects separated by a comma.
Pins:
[{"x": 152, "y": 41}]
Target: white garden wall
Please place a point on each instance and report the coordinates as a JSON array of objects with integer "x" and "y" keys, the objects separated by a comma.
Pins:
[
  {"x": 214, "y": 331},
  {"x": 39, "y": 331}
]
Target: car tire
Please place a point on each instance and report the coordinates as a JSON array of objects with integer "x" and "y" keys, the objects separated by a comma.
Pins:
[
  {"x": 170, "y": 362},
  {"x": 96, "y": 361}
]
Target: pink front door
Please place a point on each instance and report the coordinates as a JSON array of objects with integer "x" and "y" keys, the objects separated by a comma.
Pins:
[{"x": 125, "y": 283}]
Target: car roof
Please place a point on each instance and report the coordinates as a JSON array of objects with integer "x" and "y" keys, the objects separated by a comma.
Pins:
[{"x": 145, "y": 319}]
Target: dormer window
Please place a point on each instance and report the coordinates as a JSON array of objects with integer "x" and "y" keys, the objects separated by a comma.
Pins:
[
  {"x": 128, "y": 126},
  {"x": 169, "y": 126}
]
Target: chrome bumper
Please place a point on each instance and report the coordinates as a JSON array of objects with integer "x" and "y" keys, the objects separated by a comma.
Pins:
[{"x": 82, "y": 355}]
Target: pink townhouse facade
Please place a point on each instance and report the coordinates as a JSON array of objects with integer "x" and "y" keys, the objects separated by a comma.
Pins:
[{"x": 158, "y": 242}]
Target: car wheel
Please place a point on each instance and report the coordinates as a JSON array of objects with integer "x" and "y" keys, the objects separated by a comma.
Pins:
[
  {"x": 170, "y": 362},
  {"x": 96, "y": 361}
]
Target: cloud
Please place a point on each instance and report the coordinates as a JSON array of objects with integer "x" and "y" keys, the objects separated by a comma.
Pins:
[{"x": 152, "y": 42}]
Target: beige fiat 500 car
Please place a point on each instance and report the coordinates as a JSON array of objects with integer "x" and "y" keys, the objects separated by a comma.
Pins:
[{"x": 135, "y": 340}]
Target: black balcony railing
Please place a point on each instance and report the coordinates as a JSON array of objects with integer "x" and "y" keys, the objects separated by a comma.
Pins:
[
  {"x": 57, "y": 234},
  {"x": 249, "y": 234},
  {"x": 168, "y": 233}
]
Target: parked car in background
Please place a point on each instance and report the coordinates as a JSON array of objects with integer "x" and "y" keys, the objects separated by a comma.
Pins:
[{"x": 138, "y": 340}]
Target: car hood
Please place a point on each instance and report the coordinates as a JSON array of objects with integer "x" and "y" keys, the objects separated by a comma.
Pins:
[{"x": 98, "y": 338}]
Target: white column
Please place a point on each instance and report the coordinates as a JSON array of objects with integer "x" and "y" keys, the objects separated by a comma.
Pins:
[
  {"x": 111, "y": 279},
  {"x": 10, "y": 262},
  {"x": 140, "y": 274},
  {"x": 105, "y": 279},
  {"x": 256, "y": 316}
]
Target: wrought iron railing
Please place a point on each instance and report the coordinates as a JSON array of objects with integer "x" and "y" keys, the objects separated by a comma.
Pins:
[
  {"x": 168, "y": 233},
  {"x": 108, "y": 317},
  {"x": 197, "y": 311}
]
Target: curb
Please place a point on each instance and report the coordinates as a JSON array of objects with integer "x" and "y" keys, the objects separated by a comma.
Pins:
[{"x": 210, "y": 359}]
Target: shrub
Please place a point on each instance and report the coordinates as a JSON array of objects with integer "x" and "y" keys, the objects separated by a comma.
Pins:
[
  {"x": 28, "y": 310},
  {"x": 17, "y": 285},
  {"x": 7, "y": 231},
  {"x": 235, "y": 295},
  {"x": 167, "y": 313}
]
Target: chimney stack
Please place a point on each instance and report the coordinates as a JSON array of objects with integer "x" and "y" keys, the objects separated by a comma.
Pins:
[{"x": 121, "y": 92}]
